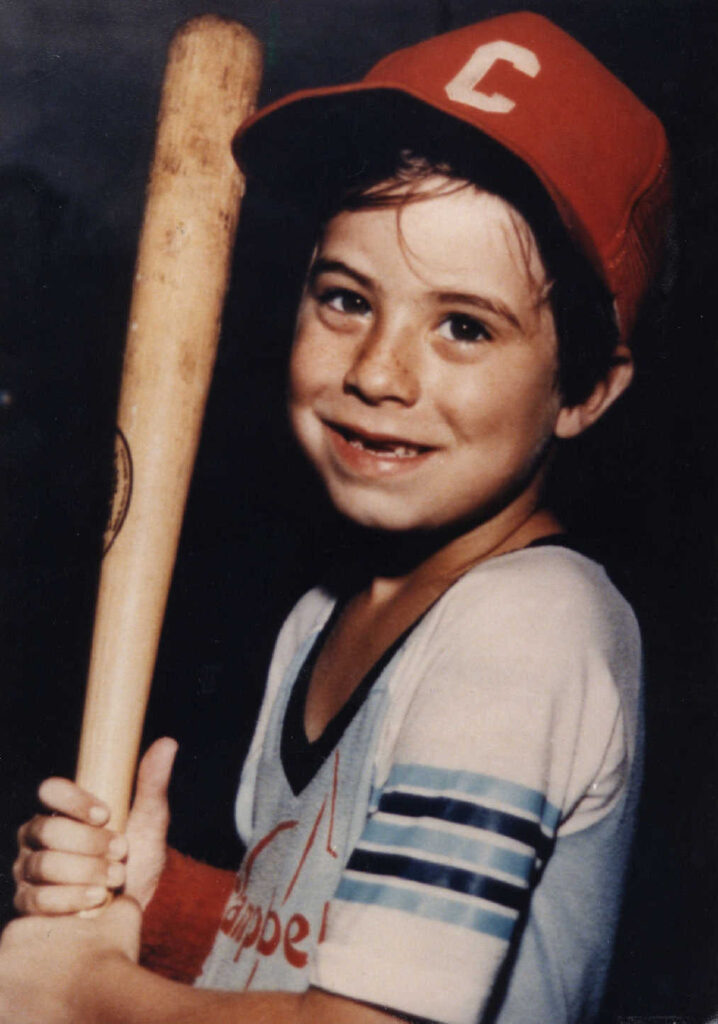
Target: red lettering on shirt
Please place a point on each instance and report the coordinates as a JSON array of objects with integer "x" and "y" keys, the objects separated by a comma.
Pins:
[
  {"x": 323, "y": 929},
  {"x": 330, "y": 834},
  {"x": 305, "y": 853},
  {"x": 262, "y": 928},
  {"x": 297, "y": 931}
]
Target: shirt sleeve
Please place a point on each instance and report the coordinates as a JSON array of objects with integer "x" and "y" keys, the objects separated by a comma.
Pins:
[{"x": 514, "y": 734}]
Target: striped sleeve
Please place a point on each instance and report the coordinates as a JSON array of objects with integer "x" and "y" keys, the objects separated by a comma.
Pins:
[
  {"x": 451, "y": 846},
  {"x": 434, "y": 890}
]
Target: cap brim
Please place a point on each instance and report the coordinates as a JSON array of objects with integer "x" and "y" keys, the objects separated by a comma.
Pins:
[{"x": 309, "y": 140}]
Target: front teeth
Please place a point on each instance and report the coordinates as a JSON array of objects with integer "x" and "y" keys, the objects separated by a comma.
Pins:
[{"x": 398, "y": 451}]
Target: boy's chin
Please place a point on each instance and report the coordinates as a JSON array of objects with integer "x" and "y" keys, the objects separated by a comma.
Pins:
[
  {"x": 397, "y": 517},
  {"x": 392, "y": 522}
]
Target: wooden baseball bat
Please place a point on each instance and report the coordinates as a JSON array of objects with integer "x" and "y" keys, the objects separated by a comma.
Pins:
[{"x": 180, "y": 281}]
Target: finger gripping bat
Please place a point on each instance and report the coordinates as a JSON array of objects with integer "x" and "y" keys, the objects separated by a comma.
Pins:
[{"x": 181, "y": 276}]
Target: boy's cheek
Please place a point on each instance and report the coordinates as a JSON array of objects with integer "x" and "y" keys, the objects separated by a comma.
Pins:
[
  {"x": 305, "y": 427},
  {"x": 314, "y": 366}
]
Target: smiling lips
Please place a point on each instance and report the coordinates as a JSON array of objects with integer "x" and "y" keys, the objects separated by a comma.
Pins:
[{"x": 368, "y": 452}]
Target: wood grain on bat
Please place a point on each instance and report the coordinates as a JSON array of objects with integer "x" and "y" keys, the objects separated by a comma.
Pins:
[{"x": 179, "y": 286}]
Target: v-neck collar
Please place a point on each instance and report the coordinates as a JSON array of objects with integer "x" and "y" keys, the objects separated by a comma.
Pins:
[{"x": 302, "y": 759}]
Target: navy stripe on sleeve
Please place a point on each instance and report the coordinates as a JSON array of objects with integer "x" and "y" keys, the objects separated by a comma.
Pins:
[
  {"x": 462, "y": 812},
  {"x": 443, "y": 876}
]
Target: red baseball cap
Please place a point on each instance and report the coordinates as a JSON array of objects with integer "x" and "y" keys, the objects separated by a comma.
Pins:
[{"x": 599, "y": 153}]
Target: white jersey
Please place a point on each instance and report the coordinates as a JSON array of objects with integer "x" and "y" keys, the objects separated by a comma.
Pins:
[{"x": 453, "y": 846}]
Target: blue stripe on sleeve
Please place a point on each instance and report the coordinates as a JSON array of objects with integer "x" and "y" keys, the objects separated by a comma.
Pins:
[
  {"x": 503, "y": 791},
  {"x": 439, "y": 875},
  {"x": 424, "y": 904},
  {"x": 461, "y": 812},
  {"x": 445, "y": 843}
]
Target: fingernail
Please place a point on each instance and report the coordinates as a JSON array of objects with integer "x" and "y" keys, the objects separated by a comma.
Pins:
[
  {"x": 94, "y": 896},
  {"x": 115, "y": 875},
  {"x": 97, "y": 814},
  {"x": 117, "y": 848}
]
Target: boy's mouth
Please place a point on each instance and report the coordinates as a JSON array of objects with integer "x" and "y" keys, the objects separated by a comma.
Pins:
[{"x": 383, "y": 445}]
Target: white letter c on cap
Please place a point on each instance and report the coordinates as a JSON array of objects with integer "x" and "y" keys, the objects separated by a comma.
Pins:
[{"x": 462, "y": 88}]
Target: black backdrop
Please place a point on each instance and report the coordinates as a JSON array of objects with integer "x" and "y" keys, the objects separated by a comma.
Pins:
[{"x": 79, "y": 89}]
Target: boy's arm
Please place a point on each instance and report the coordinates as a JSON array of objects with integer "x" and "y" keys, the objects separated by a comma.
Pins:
[
  {"x": 155, "y": 1000},
  {"x": 69, "y": 970}
]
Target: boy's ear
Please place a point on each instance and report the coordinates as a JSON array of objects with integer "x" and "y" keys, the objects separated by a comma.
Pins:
[{"x": 574, "y": 419}]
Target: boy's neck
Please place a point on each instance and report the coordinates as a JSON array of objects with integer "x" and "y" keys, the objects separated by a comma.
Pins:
[{"x": 388, "y": 565}]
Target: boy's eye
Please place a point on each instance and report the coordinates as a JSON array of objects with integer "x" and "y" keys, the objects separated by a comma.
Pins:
[
  {"x": 462, "y": 327},
  {"x": 344, "y": 300}
]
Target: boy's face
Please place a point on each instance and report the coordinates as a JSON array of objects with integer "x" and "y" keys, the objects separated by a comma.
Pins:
[{"x": 423, "y": 381}]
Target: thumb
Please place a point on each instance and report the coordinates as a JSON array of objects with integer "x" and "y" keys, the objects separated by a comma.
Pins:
[
  {"x": 150, "y": 810},
  {"x": 148, "y": 822}
]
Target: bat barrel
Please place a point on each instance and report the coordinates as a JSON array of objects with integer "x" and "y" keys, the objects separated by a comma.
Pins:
[{"x": 179, "y": 287}]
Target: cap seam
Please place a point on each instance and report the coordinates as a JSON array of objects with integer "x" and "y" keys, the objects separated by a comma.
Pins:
[{"x": 615, "y": 251}]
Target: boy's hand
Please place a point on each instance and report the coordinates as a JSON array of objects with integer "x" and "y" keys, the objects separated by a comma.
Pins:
[
  {"x": 67, "y": 861},
  {"x": 49, "y": 967}
]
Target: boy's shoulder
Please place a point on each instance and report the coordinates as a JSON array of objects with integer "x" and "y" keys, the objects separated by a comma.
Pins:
[
  {"x": 552, "y": 580},
  {"x": 546, "y": 612},
  {"x": 529, "y": 665}
]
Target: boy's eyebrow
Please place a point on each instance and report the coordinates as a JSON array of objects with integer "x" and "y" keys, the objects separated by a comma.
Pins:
[
  {"x": 494, "y": 306},
  {"x": 322, "y": 266}
]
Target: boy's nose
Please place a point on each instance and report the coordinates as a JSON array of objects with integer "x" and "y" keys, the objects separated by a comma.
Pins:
[{"x": 384, "y": 367}]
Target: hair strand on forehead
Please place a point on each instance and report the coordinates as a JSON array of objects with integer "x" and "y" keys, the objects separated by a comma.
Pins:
[
  {"x": 406, "y": 183},
  {"x": 530, "y": 254}
]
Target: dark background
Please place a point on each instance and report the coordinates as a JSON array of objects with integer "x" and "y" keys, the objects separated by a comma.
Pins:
[{"x": 79, "y": 88}]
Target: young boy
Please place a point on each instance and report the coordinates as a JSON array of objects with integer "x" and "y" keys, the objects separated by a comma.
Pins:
[{"x": 439, "y": 796}]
